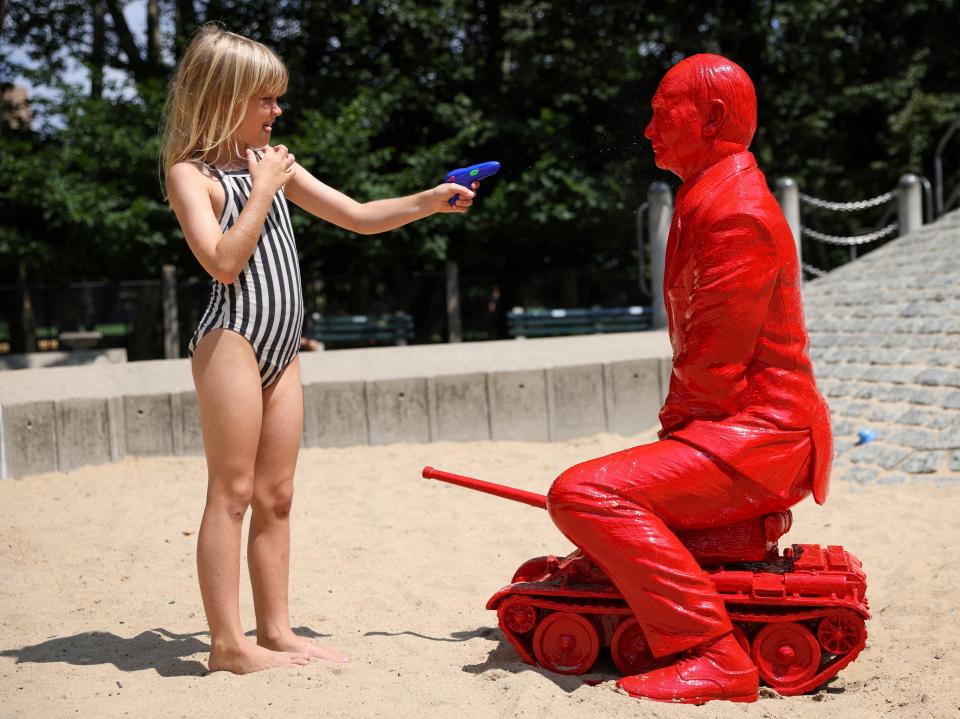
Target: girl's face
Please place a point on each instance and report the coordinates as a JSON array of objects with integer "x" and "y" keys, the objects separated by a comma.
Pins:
[{"x": 254, "y": 131}]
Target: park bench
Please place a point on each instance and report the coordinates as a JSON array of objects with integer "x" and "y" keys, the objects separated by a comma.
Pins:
[
  {"x": 361, "y": 330},
  {"x": 577, "y": 321}
]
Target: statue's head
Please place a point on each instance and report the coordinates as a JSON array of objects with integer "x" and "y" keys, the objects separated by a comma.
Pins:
[{"x": 705, "y": 108}]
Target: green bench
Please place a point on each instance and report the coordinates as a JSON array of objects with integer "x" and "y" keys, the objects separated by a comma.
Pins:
[
  {"x": 361, "y": 330},
  {"x": 578, "y": 321}
]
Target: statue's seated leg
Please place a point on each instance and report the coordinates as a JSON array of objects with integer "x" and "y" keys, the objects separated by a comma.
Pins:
[{"x": 620, "y": 509}]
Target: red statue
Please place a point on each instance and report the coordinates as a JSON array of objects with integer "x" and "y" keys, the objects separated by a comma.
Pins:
[
  {"x": 744, "y": 430},
  {"x": 745, "y": 435}
]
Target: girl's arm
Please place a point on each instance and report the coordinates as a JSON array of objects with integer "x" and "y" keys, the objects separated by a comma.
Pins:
[
  {"x": 369, "y": 218},
  {"x": 224, "y": 254}
]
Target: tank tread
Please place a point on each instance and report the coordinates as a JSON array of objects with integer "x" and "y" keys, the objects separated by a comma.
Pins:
[
  {"x": 767, "y": 617},
  {"x": 606, "y": 612},
  {"x": 616, "y": 606},
  {"x": 522, "y": 641},
  {"x": 826, "y": 672}
]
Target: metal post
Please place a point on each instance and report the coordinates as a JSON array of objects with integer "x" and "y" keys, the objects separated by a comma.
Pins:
[
  {"x": 641, "y": 218},
  {"x": 454, "y": 329},
  {"x": 938, "y": 164},
  {"x": 909, "y": 204},
  {"x": 788, "y": 195},
  {"x": 660, "y": 215},
  {"x": 171, "y": 323}
]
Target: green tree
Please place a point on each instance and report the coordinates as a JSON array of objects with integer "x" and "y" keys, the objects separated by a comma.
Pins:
[{"x": 386, "y": 96}]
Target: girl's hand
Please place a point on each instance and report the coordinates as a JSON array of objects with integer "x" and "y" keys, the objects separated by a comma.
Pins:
[
  {"x": 273, "y": 170},
  {"x": 438, "y": 199}
]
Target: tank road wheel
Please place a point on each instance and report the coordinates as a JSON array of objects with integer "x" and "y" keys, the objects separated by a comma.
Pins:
[
  {"x": 840, "y": 633},
  {"x": 786, "y": 653},
  {"x": 630, "y": 650},
  {"x": 566, "y": 643},
  {"x": 517, "y": 615}
]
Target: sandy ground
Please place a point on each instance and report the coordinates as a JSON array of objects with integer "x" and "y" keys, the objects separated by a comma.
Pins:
[{"x": 100, "y": 613}]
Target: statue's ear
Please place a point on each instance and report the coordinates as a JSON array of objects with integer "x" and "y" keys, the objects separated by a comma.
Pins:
[{"x": 716, "y": 116}]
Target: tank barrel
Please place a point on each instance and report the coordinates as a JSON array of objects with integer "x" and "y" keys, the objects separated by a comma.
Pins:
[{"x": 499, "y": 490}]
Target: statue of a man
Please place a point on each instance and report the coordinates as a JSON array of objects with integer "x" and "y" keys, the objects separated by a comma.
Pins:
[{"x": 744, "y": 430}]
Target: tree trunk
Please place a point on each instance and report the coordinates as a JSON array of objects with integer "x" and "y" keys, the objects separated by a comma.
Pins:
[
  {"x": 154, "y": 59},
  {"x": 185, "y": 21},
  {"x": 97, "y": 53},
  {"x": 135, "y": 62},
  {"x": 215, "y": 12},
  {"x": 495, "y": 68},
  {"x": 454, "y": 323},
  {"x": 28, "y": 323}
]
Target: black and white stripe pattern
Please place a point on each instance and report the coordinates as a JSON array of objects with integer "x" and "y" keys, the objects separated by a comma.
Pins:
[{"x": 265, "y": 302}]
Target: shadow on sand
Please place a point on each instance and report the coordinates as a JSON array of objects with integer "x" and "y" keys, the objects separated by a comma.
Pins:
[
  {"x": 504, "y": 657},
  {"x": 485, "y": 632},
  {"x": 157, "y": 649}
]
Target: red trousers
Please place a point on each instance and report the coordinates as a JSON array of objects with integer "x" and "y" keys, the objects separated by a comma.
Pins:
[{"x": 620, "y": 510}]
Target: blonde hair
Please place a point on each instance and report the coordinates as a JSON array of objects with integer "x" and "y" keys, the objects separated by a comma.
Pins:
[{"x": 207, "y": 97}]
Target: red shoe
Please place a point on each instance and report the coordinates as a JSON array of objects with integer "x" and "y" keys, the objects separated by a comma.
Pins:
[{"x": 717, "y": 670}]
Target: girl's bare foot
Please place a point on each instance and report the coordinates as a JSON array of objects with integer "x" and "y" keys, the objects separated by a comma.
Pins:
[
  {"x": 247, "y": 657},
  {"x": 290, "y": 642}
]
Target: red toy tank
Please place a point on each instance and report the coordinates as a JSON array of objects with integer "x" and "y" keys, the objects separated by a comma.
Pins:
[{"x": 800, "y": 614}]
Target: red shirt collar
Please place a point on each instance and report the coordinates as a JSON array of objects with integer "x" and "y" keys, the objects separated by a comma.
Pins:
[{"x": 696, "y": 188}]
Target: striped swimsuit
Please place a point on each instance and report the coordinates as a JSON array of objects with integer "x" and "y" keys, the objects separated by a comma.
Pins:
[{"x": 265, "y": 302}]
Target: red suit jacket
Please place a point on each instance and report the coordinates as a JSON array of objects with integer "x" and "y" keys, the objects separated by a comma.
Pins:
[{"x": 742, "y": 388}]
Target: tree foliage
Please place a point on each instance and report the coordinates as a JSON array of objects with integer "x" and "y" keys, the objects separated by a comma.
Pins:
[{"x": 386, "y": 95}]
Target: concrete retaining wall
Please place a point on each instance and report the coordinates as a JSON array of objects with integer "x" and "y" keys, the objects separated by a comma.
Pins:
[{"x": 539, "y": 390}]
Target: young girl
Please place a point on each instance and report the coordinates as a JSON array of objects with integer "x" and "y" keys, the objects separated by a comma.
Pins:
[{"x": 229, "y": 189}]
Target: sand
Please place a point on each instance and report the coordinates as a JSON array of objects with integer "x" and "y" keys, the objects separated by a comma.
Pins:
[{"x": 100, "y": 613}]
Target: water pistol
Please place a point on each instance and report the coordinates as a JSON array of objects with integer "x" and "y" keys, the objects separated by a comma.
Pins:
[{"x": 465, "y": 175}]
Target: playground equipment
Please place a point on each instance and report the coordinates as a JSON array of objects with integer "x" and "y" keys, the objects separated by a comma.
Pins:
[{"x": 800, "y": 614}]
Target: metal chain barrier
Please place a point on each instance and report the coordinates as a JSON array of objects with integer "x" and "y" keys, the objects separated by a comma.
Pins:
[
  {"x": 850, "y": 206},
  {"x": 907, "y": 213},
  {"x": 853, "y": 240}
]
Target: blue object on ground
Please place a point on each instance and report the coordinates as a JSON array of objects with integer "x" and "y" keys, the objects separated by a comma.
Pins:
[
  {"x": 865, "y": 435},
  {"x": 474, "y": 173}
]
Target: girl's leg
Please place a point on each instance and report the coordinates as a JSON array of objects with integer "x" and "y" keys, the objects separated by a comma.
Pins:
[
  {"x": 228, "y": 390},
  {"x": 268, "y": 548}
]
